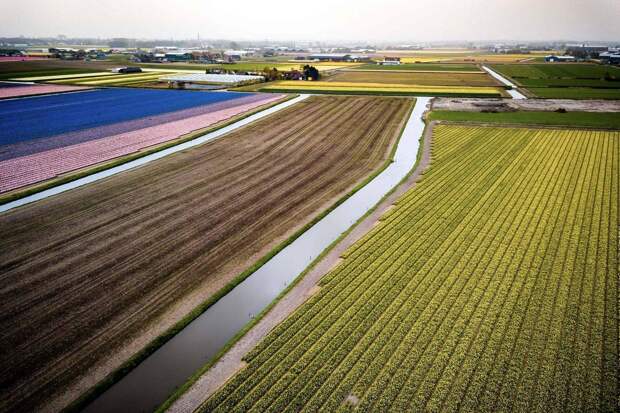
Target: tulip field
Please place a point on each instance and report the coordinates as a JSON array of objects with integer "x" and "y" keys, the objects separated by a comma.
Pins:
[
  {"x": 386, "y": 89},
  {"x": 416, "y": 78},
  {"x": 491, "y": 286},
  {"x": 48, "y": 136}
]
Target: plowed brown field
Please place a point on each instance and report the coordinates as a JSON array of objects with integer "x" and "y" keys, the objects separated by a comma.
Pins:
[{"x": 84, "y": 273}]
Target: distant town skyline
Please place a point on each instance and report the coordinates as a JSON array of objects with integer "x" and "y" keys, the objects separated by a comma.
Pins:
[{"x": 321, "y": 20}]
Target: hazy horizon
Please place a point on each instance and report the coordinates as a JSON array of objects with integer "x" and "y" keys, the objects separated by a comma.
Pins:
[{"x": 334, "y": 20}]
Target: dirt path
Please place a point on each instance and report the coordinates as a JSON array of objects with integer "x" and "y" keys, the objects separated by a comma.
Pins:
[{"x": 232, "y": 361}]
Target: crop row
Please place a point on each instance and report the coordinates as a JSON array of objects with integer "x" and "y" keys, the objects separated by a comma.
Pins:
[{"x": 489, "y": 287}]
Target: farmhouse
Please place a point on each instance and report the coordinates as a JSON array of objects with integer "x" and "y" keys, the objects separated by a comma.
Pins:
[
  {"x": 585, "y": 50},
  {"x": 236, "y": 54}
]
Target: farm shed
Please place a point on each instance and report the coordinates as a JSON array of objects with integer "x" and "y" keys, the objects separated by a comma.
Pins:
[
  {"x": 586, "y": 48},
  {"x": 236, "y": 55}
]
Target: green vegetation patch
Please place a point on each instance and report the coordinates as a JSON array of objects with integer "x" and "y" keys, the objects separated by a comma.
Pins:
[
  {"x": 575, "y": 93},
  {"x": 606, "y": 120},
  {"x": 582, "y": 78},
  {"x": 557, "y": 71},
  {"x": 565, "y": 80}
]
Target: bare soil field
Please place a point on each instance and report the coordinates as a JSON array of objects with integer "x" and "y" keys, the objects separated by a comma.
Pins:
[
  {"x": 536, "y": 105},
  {"x": 86, "y": 273},
  {"x": 415, "y": 78}
]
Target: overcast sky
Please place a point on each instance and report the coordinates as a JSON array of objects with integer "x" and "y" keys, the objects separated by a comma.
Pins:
[{"x": 372, "y": 20}]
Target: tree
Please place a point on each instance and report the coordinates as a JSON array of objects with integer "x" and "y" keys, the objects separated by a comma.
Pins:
[
  {"x": 271, "y": 73},
  {"x": 311, "y": 73}
]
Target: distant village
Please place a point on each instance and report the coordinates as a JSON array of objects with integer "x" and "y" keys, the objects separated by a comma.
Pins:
[{"x": 217, "y": 54}]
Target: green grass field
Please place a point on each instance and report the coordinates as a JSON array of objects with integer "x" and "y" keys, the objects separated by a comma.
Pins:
[
  {"x": 491, "y": 286},
  {"x": 576, "y": 119},
  {"x": 425, "y": 67},
  {"x": 565, "y": 80},
  {"x": 556, "y": 70},
  {"x": 574, "y": 93},
  {"x": 558, "y": 83}
]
